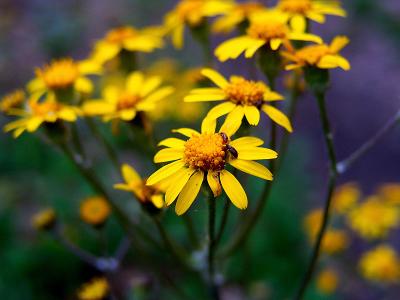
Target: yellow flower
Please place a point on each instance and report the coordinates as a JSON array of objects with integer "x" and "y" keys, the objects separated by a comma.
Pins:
[
  {"x": 300, "y": 10},
  {"x": 327, "y": 281},
  {"x": 96, "y": 289},
  {"x": 334, "y": 240},
  {"x": 373, "y": 218},
  {"x": 44, "y": 219},
  {"x": 192, "y": 13},
  {"x": 380, "y": 265},
  {"x": 320, "y": 56},
  {"x": 267, "y": 28},
  {"x": 94, "y": 210},
  {"x": 127, "y": 38},
  {"x": 206, "y": 154},
  {"x": 151, "y": 197},
  {"x": 139, "y": 94},
  {"x": 38, "y": 112},
  {"x": 390, "y": 193},
  {"x": 63, "y": 74},
  {"x": 345, "y": 197},
  {"x": 12, "y": 100},
  {"x": 236, "y": 15},
  {"x": 241, "y": 98}
]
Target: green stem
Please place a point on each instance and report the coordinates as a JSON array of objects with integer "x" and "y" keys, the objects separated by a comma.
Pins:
[
  {"x": 191, "y": 231},
  {"x": 214, "y": 293},
  {"x": 224, "y": 220},
  {"x": 331, "y": 187}
]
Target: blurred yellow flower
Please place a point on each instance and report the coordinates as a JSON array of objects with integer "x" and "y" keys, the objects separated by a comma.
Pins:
[
  {"x": 241, "y": 98},
  {"x": 95, "y": 210},
  {"x": 381, "y": 264},
  {"x": 390, "y": 193},
  {"x": 238, "y": 14},
  {"x": 327, "y": 281},
  {"x": 192, "y": 13},
  {"x": 151, "y": 197},
  {"x": 320, "y": 56},
  {"x": 36, "y": 112},
  {"x": 96, "y": 289},
  {"x": 138, "y": 94},
  {"x": 44, "y": 220},
  {"x": 127, "y": 38},
  {"x": 267, "y": 28},
  {"x": 12, "y": 100},
  {"x": 206, "y": 154},
  {"x": 373, "y": 218},
  {"x": 345, "y": 197}
]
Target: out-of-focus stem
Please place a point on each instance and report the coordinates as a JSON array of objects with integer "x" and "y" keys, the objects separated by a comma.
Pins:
[
  {"x": 214, "y": 292},
  {"x": 191, "y": 231}
]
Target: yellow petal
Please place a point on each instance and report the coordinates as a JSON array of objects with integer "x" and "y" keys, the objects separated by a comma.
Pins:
[
  {"x": 176, "y": 187},
  {"x": 212, "y": 91},
  {"x": 233, "y": 121},
  {"x": 172, "y": 143},
  {"x": 298, "y": 23},
  {"x": 98, "y": 108},
  {"x": 123, "y": 187},
  {"x": 213, "y": 182},
  {"x": 67, "y": 115},
  {"x": 158, "y": 201},
  {"x": 150, "y": 85},
  {"x": 215, "y": 77},
  {"x": 220, "y": 110},
  {"x": 338, "y": 44},
  {"x": 278, "y": 117},
  {"x": 334, "y": 61},
  {"x": 246, "y": 142},
  {"x": 134, "y": 82},
  {"x": 165, "y": 172},
  {"x": 177, "y": 36},
  {"x": 186, "y": 132},
  {"x": 130, "y": 175},
  {"x": 252, "y": 167},
  {"x": 233, "y": 189},
  {"x": 84, "y": 85},
  {"x": 232, "y": 48},
  {"x": 168, "y": 154},
  {"x": 34, "y": 123},
  {"x": 252, "y": 49},
  {"x": 159, "y": 94},
  {"x": 208, "y": 125},
  {"x": 275, "y": 44},
  {"x": 252, "y": 115},
  {"x": 204, "y": 98},
  {"x": 272, "y": 96},
  {"x": 189, "y": 193},
  {"x": 308, "y": 37},
  {"x": 256, "y": 153}
]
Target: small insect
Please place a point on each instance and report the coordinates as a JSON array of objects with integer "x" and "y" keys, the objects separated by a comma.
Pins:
[
  {"x": 224, "y": 137},
  {"x": 232, "y": 151}
]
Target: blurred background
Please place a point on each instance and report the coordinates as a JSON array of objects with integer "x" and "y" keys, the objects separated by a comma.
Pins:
[{"x": 33, "y": 175}]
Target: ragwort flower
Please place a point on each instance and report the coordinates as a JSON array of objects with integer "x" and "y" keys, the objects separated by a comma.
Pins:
[
  {"x": 95, "y": 210},
  {"x": 345, "y": 197},
  {"x": 96, "y": 289},
  {"x": 390, "y": 193},
  {"x": 241, "y": 98},
  {"x": 12, "y": 100},
  {"x": 207, "y": 154},
  {"x": 138, "y": 94},
  {"x": 327, "y": 281},
  {"x": 266, "y": 28},
  {"x": 321, "y": 56}
]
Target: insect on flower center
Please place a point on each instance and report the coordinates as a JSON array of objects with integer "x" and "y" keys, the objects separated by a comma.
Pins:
[
  {"x": 127, "y": 100},
  {"x": 206, "y": 151},
  {"x": 268, "y": 30},
  {"x": 59, "y": 74},
  {"x": 190, "y": 11},
  {"x": 295, "y": 6},
  {"x": 312, "y": 54},
  {"x": 118, "y": 35},
  {"x": 245, "y": 92}
]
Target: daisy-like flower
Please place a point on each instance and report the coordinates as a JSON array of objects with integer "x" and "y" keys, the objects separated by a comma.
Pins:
[
  {"x": 301, "y": 10},
  {"x": 267, "y": 28},
  {"x": 327, "y": 281},
  {"x": 237, "y": 15},
  {"x": 95, "y": 211},
  {"x": 192, "y": 13},
  {"x": 151, "y": 197},
  {"x": 381, "y": 264},
  {"x": 37, "y": 112},
  {"x": 374, "y": 218},
  {"x": 44, "y": 220},
  {"x": 127, "y": 38},
  {"x": 138, "y": 94},
  {"x": 96, "y": 289},
  {"x": 321, "y": 56},
  {"x": 345, "y": 197},
  {"x": 206, "y": 155},
  {"x": 12, "y": 100},
  {"x": 241, "y": 98},
  {"x": 390, "y": 193},
  {"x": 63, "y": 74}
]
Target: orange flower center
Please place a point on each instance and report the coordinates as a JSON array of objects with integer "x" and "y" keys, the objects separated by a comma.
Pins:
[
  {"x": 127, "y": 100},
  {"x": 268, "y": 30},
  {"x": 312, "y": 54},
  {"x": 120, "y": 34},
  {"x": 190, "y": 11},
  {"x": 295, "y": 6},
  {"x": 95, "y": 210},
  {"x": 248, "y": 7},
  {"x": 59, "y": 74},
  {"x": 206, "y": 151},
  {"x": 46, "y": 108},
  {"x": 245, "y": 92}
]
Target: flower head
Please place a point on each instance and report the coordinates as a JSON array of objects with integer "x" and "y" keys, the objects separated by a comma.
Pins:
[
  {"x": 241, "y": 98},
  {"x": 268, "y": 29},
  {"x": 127, "y": 38},
  {"x": 95, "y": 210},
  {"x": 373, "y": 218},
  {"x": 380, "y": 264},
  {"x": 346, "y": 197},
  {"x": 44, "y": 220},
  {"x": 96, "y": 289},
  {"x": 206, "y": 155},
  {"x": 390, "y": 193},
  {"x": 327, "y": 281},
  {"x": 12, "y": 100},
  {"x": 321, "y": 56},
  {"x": 151, "y": 197},
  {"x": 138, "y": 94}
]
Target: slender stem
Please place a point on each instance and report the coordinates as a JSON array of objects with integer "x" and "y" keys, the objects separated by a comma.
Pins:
[
  {"x": 224, "y": 220},
  {"x": 331, "y": 187},
  {"x": 123, "y": 249},
  {"x": 190, "y": 230},
  {"x": 211, "y": 247},
  {"x": 344, "y": 165}
]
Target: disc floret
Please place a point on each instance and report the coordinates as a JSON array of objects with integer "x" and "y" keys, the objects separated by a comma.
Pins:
[{"x": 245, "y": 92}]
